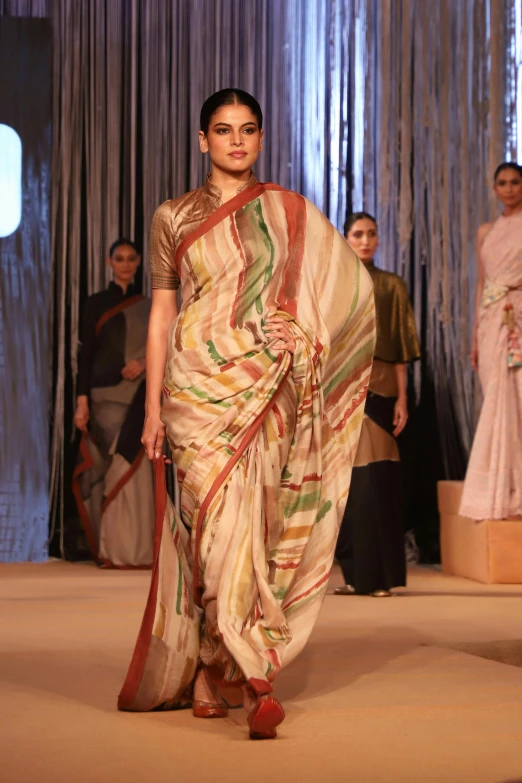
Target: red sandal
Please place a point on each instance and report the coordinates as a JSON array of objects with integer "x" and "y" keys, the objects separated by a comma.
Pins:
[
  {"x": 204, "y": 709},
  {"x": 264, "y": 718},
  {"x": 207, "y": 707}
]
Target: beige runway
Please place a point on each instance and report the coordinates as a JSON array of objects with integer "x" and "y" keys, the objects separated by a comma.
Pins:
[{"x": 380, "y": 694}]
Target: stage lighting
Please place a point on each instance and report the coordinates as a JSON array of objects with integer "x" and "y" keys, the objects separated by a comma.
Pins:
[{"x": 10, "y": 180}]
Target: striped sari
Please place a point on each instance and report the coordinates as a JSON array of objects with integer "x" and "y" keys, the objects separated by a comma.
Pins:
[{"x": 263, "y": 443}]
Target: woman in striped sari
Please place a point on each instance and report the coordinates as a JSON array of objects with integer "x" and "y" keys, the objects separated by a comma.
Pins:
[{"x": 264, "y": 372}]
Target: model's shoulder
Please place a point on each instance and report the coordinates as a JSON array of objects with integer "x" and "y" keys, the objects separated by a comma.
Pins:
[
  {"x": 483, "y": 231},
  {"x": 95, "y": 299},
  {"x": 391, "y": 278},
  {"x": 272, "y": 187},
  {"x": 172, "y": 206},
  {"x": 298, "y": 202},
  {"x": 95, "y": 304}
]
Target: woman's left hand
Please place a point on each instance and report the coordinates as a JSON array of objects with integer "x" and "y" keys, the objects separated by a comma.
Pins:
[
  {"x": 400, "y": 415},
  {"x": 133, "y": 369},
  {"x": 275, "y": 326}
]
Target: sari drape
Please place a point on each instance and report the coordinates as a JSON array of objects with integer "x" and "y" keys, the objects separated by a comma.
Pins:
[
  {"x": 263, "y": 443},
  {"x": 493, "y": 483},
  {"x": 112, "y": 481}
]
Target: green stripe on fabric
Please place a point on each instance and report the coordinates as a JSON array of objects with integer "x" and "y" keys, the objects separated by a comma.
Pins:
[
  {"x": 303, "y": 503},
  {"x": 214, "y": 355},
  {"x": 204, "y": 396},
  {"x": 355, "y": 360},
  {"x": 299, "y": 604},
  {"x": 275, "y": 634},
  {"x": 355, "y": 298},
  {"x": 270, "y": 355},
  {"x": 267, "y": 240},
  {"x": 323, "y": 511},
  {"x": 180, "y": 591},
  {"x": 201, "y": 394}
]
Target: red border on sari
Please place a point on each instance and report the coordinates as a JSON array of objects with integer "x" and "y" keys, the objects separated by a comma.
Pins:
[
  {"x": 139, "y": 657},
  {"x": 225, "y": 210},
  {"x": 87, "y": 463},
  {"x": 108, "y": 314}
]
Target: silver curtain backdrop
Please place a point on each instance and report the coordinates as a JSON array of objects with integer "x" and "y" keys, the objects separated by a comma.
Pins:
[{"x": 401, "y": 107}]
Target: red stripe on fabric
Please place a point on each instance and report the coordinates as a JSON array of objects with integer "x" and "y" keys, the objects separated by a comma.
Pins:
[
  {"x": 340, "y": 389},
  {"x": 297, "y": 487},
  {"x": 123, "y": 480},
  {"x": 303, "y": 595},
  {"x": 225, "y": 210},
  {"x": 108, "y": 314},
  {"x": 227, "y": 366},
  {"x": 141, "y": 650},
  {"x": 241, "y": 276},
  {"x": 219, "y": 480},
  {"x": 87, "y": 463},
  {"x": 356, "y": 404},
  {"x": 295, "y": 213},
  {"x": 280, "y": 422}
]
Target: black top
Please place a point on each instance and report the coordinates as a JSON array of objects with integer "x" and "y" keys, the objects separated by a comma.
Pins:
[{"x": 95, "y": 306}]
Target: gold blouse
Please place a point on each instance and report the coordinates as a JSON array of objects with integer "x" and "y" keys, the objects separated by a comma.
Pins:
[
  {"x": 176, "y": 219},
  {"x": 397, "y": 340}
]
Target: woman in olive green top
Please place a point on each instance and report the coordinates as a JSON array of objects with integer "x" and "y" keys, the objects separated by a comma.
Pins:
[{"x": 370, "y": 548}]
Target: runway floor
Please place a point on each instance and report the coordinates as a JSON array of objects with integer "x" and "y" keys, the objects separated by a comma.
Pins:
[{"x": 380, "y": 695}]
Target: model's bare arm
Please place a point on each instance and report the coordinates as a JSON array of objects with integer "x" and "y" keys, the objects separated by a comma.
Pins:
[
  {"x": 164, "y": 310},
  {"x": 481, "y": 235},
  {"x": 400, "y": 414}
]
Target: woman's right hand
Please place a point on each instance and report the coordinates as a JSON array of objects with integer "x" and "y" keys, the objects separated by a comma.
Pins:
[
  {"x": 153, "y": 435},
  {"x": 81, "y": 416}
]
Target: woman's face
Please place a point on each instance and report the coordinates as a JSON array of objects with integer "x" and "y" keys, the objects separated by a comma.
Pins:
[
  {"x": 508, "y": 187},
  {"x": 364, "y": 239},
  {"x": 124, "y": 262},
  {"x": 234, "y": 140}
]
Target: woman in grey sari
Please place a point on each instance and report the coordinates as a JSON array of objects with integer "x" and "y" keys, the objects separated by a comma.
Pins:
[{"x": 112, "y": 481}]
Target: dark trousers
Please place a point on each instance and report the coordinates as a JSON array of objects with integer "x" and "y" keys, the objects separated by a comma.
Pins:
[{"x": 370, "y": 547}]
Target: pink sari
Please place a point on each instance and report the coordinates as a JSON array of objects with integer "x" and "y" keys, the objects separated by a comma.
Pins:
[{"x": 493, "y": 485}]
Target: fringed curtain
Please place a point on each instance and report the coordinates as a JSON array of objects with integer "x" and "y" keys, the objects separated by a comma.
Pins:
[
  {"x": 437, "y": 122},
  {"x": 403, "y": 107}
]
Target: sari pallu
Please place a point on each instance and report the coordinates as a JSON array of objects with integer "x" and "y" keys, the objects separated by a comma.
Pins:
[
  {"x": 112, "y": 482},
  {"x": 263, "y": 442}
]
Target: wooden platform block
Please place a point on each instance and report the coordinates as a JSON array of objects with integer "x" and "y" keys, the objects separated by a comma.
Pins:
[{"x": 488, "y": 551}]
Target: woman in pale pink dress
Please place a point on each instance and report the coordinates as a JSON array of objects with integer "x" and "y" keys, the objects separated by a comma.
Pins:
[{"x": 493, "y": 486}]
